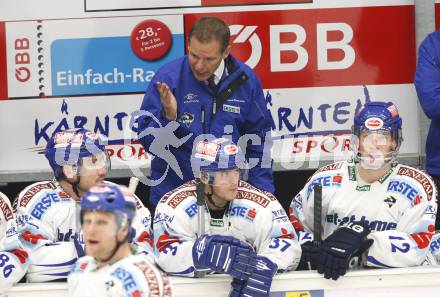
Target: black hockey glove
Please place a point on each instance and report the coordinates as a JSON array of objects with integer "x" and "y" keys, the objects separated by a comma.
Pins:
[
  {"x": 343, "y": 244},
  {"x": 309, "y": 256}
]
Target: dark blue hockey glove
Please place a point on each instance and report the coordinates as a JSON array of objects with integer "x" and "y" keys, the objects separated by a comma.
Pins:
[
  {"x": 224, "y": 254},
  {"x": 343, "y": 244},
  {"x": 237, "y": 286},
  {"x": 259, "y": 282},
  {"x": 309, "y": 256}
]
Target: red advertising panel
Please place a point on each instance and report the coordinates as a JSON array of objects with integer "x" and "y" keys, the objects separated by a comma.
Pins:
[
  {"x": 3, "y": 67},
  {"x": 437, "y": 15},
  {"x": 325, "y": 47}
]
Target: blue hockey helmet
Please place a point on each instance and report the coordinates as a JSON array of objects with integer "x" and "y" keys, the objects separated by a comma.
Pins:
[
  {"x": 378, "y": 115},
  {"x": 106, "y": 197},
  {"x": 382, "y": 117},
  {"x": 219, "y": 155},
  {"x": 70, "y": 146}
]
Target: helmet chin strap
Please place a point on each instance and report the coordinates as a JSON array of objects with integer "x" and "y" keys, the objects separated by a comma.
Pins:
[
  {"x": 76, "y": 183},
  {"x": 115, "y": 250},
  {"x": 209, "y": 196}
]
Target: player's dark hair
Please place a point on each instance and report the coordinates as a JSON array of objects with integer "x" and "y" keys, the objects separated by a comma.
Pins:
[{"x": 207, "y": 29}]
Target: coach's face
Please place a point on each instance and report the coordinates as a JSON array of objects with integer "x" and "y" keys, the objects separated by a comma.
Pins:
[{"x": 204, "y": 58}]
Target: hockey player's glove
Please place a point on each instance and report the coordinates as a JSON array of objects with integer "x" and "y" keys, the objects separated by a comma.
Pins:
[
  {"x": 237, "y": 286},
  {"x": 259, "y": 282},
  {"x": 343, "y": 244},
  {"x": 309, "y": 256},
  {"x": 224, "y": 254}
]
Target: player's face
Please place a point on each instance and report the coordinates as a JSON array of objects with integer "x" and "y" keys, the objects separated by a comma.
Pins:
[
  {"x": 93, "y": 170},
  {"x": 204, "y": 58},
  {"x": 375, "y": 147},
  {"x": 99, "y": 230},
  {"x": 225, "y": 184}
]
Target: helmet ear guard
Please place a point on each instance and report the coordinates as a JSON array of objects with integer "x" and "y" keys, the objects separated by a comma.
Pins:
[{"x": 206, "y": 178}]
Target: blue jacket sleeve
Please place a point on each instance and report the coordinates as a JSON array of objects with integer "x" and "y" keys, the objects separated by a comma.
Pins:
[
  {"x": 259, "y": 123},
  {"x": 427, "y": 77},
  {"x": 151, "y": 114}
]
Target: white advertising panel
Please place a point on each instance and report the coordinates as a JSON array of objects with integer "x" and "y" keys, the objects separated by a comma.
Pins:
[{"x": 318, "y": 62}]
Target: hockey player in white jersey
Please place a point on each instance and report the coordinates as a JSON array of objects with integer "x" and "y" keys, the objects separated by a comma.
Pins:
[
  {"x": 6, "y": 217},
  {"x": 374, "y": 209},
  {"x": 112, "y": 266},
  {"x": 46, "y": 211},
  {"x": 248, "y": 234}
]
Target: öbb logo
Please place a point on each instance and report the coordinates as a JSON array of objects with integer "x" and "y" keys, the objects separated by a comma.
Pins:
[
  {"x": 251, "y": 53},
  {"x": 22, "y": 59}
]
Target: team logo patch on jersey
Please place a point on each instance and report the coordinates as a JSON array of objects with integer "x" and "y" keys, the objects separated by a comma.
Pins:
[
  {"x": 374, "y": 123},
  {"x": 390, "y": 200},
  {"x": 186, "y": 118},
  {"x": 231, "y": 108},
  {"x": 190, "y": 97}
]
